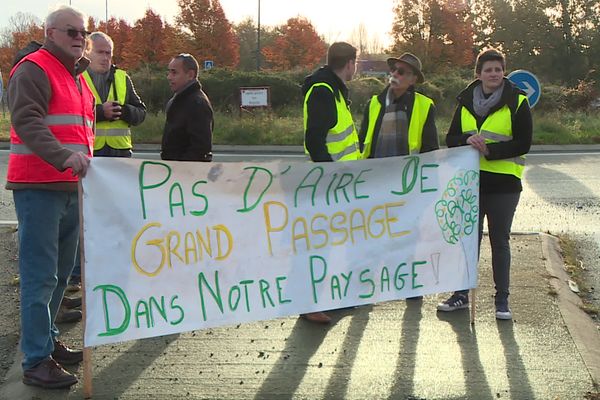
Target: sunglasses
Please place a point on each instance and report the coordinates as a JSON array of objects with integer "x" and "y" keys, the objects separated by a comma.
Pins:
[
  {"x": 400, "y": 70},
  {"x": 73, "y": 33}
]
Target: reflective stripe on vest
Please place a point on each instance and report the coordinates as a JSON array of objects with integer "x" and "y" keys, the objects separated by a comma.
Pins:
[
  {"x": 65, "y": 119},
  {"x": 70, "y": 119},
  {"x": 116, "y": 134},
  {"x": 420, "y": 111},
  {"x": 23, "y": 149},
  {"x": 342, "y": 139},
  {"x": 496, "y": 128}
]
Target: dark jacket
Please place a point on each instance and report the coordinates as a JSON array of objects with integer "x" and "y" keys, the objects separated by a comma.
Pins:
[
  {"x": 133, "y": 111},
  {"x": 322, "y": 111},
  {"x": 406, "y": 102},
  {"x": 522, "y": 127},
  {"x": 28, "y": 97},
  {"x": 188, "y": 129}
]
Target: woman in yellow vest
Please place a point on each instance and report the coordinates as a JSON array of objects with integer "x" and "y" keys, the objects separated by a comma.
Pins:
[
  {"x": 399, "y": 120},
  {"x": 494, "y": 117}
]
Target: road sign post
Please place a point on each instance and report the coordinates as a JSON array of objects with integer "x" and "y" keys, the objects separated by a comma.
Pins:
[
  {"x": 529, "y": 83},
  {"x": 208, "y": 64}
]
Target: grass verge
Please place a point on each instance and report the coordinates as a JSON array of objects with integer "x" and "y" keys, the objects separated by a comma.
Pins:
[
  {"x": 285, "y": 127},
  {"x": 573, "y": 266}
]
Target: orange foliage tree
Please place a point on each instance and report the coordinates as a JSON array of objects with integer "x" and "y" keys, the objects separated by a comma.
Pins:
[
  {"x": 146, "y": 44},
  {"x": 210, "y": 34},
  {"x": 23, "y": 28},
  {"x": 438, "y": 31},
  {"x": 297, "y": 45}
]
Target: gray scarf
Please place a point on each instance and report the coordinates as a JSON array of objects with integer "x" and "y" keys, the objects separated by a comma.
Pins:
[{"x": 481, "y": 105}]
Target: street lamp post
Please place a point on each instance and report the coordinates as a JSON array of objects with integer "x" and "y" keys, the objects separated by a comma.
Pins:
[{"x": 258, "y": 40}]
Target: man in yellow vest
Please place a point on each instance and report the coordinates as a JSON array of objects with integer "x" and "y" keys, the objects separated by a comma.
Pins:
[
  {"x": 329, "y": 132},
  {"x": 118, "y": 106},
  {"x": 399, "y": 121}
]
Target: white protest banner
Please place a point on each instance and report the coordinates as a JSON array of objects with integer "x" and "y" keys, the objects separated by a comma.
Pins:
[{"x": 178, "y": 246}]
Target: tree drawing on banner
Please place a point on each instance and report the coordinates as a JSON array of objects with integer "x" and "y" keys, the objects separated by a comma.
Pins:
[{"x": 458, "y": 210}]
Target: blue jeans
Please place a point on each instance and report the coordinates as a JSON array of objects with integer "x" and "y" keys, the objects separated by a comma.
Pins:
[{"x": 48, "y": 235}]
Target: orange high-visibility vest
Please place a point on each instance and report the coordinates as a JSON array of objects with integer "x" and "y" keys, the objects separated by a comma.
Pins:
[{"x": 70, "y": 118}]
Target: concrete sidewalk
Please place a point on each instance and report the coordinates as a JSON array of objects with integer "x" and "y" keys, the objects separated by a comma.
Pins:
[{"x": 395, "y": 350}]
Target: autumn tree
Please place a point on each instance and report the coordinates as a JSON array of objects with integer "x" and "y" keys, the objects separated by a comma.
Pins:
[
  {"x": 577, "y": 24},
  {"x": 364, "y": 42},
  {"x": 437, "y": 31},
  {"x": 297, "y": 45},
  {"x": 22, "y": 28},
  {"x": 247, "y": 36},
  {"x": 146, "y": 44},
  {"x": 211, "y": 35}
]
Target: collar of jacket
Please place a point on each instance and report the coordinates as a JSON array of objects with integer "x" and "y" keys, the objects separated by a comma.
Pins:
[
  {"x": 327, "y": 75},
  {"x": 76, "y": 67},
  {"x": 191, "y": 87},
  {"x": 382, "y": 96},
  {"x": 509, "y": 97}
]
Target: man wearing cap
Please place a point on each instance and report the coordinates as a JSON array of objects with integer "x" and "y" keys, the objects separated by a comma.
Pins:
[{"x": 399, "y": 121}]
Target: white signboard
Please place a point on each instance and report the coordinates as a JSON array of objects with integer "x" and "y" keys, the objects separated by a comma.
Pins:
[
  {"x": 254, "y": 97},
  {"x": 179, "y": 246}
]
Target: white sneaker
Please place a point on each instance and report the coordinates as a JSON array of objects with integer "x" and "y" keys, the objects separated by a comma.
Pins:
[
  {"x": 457, "y": 301},
  {"x": 503, "y": 312}
]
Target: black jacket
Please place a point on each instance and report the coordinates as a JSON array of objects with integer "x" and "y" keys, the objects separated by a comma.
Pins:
[
  {"x": 522, "y": 127},
  {"x": 134, "y": 109},
  {"x": 322, "y": 111},
  {"x": 188, "y": 129},
  {"x": 429, "y": 138}
]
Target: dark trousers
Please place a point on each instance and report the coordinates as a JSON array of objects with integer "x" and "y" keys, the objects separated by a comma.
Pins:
[
  {"x": 108, "y": 151},
  {"x": 499, "y": 210}
]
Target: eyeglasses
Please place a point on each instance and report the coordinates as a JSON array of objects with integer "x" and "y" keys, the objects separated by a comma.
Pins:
[
  {"x": 74, "y": 32},
  {"x": 400, "y": 70}
]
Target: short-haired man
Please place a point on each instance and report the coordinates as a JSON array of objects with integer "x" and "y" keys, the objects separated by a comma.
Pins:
[
  {"x": 51, "y": 139},
  {"x": 118, "y": 105},
  {"x": 188, "y": 129},
  {"x": 329, "y": 131}
]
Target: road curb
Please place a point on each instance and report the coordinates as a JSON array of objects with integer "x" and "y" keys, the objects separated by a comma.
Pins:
[{"x": 583, "y": 331}]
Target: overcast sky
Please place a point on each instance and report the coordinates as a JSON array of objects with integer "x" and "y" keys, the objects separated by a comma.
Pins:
[{"x": 334, "y": 19}]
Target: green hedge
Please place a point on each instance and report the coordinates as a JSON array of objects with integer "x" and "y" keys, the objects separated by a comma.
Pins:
[{"x": 222, "y": 87}]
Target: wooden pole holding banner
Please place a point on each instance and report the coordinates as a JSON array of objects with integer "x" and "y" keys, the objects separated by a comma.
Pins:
[
  {"x": 87, "y": 351},
  {"x": 473, "y": 301}
]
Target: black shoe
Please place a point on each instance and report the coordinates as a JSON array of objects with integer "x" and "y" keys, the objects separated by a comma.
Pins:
[
  {"x": 71, "y": 302},
  {"x": 65, "y": 316},
  {"x": 64, "y": 355},
  {"x": 457, "y": 301},
  {"x": 49, "y": 375}
]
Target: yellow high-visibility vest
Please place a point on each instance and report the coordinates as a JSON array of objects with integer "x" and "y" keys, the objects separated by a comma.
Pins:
[
  {"x": 496, "y": 128},
  {"x": 420, "y": 110},
  {"x": 114, "y": 133},
  {"x": 342, "y": 139}
]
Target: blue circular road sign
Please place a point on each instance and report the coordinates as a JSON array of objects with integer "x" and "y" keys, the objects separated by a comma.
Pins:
[{"x": 529, "y": 83}]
